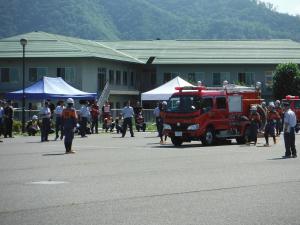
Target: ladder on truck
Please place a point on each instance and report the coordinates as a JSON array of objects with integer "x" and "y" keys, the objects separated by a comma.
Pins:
[{"x": 104, "y": 95}]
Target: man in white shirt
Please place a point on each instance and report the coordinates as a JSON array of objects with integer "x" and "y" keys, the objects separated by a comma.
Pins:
[
  {"x": 290, "y": 122},
  {"x": 45, "y": 115},
  {"x": 84, "y": 117},
  {"x": 127, "y": 114},
  {"x": 58, "y": 119}
]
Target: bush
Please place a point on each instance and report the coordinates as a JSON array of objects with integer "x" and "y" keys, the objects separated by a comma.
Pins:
[{"x": 17, "y": 126}]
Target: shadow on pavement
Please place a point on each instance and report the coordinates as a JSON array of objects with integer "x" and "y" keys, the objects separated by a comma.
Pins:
[{"x": 54, "y": 154}]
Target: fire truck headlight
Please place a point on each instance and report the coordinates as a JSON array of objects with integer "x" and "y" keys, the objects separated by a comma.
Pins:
[
  {"x": 193, "y": 127},
  {"x": 167, "y": 127}
]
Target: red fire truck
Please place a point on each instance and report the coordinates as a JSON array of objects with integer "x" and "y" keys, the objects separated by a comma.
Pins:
[
  {"x": 210, "y": 114},
  {"x": 295, "y": 106}
]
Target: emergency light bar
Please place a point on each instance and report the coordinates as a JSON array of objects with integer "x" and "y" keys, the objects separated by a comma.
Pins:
[
  {"x": 289, "y": 97},
  {"x": 187, "y": 88}
]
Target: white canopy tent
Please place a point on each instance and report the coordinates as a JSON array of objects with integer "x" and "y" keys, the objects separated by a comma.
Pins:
[{"x": 164, "y": 91}]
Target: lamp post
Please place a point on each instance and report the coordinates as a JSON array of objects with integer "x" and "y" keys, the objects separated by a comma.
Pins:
[{"x": 23, "y": 42}]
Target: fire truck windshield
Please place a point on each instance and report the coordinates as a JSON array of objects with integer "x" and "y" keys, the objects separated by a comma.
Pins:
[{"x": 184, "y": 103}]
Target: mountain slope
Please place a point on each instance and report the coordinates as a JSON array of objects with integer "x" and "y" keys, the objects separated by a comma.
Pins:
[{"x": 148, "y": 19}]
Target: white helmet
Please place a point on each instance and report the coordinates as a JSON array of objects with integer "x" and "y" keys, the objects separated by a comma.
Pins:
[
  {"x": 277, "y": 102},
  {"x": 164, "y": 103},
  {"x": 253, "y": 108},
  {"x": 34, "y": 117},
  {"x": 70, "y": 101},
  {"x": 271, "y": 104}
]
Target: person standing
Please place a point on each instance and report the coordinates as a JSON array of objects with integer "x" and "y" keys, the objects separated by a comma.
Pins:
[
  {"x": 290, "y": 122},
  {"x": 45, "y": 115},
  {"x": 279, "y": 110},
  {"x": 58, "y": 120},
  {"x": 255, "y": 122},
  {"x": 105, "y": 110},
  {"x": 8, "y": 119},
  {"x": 84, "y": 117},
  {"x": 156, "y": 113},
  {"x": 128, "y": 114},
  {"x": 95, "y": 117},
  {"x": 272, "y": 117},
  {"x": 69, "y": 121},
  {"x": 1, "y": 117}
]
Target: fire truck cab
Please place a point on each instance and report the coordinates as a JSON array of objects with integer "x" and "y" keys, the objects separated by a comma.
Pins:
[
  {"x": 295, "y": 106},
  {"x": 210, "y": 114}
]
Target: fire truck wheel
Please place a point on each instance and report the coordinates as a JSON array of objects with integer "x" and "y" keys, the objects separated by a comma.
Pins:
[
  {"x": 176, "y": 141},
  {"x": 209, "y": 137}
]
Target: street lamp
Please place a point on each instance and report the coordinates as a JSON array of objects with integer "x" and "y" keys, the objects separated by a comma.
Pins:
[{"x": 23, "y": 42}]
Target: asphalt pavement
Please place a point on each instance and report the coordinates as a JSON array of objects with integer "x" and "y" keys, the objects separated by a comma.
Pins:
[{"x": 136, "y": 181}]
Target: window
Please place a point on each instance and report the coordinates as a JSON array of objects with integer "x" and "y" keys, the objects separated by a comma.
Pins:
[
  {"x": 36, "y": 73},
  {"x": 207, "y": 104},
  {"x": 199, "y": 77},
  {"x": 192, "y": 78},
  {"x": 67, "y": 73},
  {"x": 269, "y": 79},
  {"x": 246, "y": 78},
  {"x": 297, "y": 104},
  {"x": 153, "y": 78},
  {"x": 9, "y": 75},
  {"x": 101, "y": 78},
  {"x": 221, "y": 103},
  {"x": 169, "y": 76},
  {"x": 132, "y": 78},
  {"x": 219, "y": 77},
  {"x": 118, "y": 105},
  {"x": 118, "y": 77},
  {"x": 125, "y": 78},
  {"x": 111, "y": 77}
]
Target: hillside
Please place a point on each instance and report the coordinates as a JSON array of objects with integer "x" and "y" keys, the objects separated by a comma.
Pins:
[{"x": 148, "y": 19}]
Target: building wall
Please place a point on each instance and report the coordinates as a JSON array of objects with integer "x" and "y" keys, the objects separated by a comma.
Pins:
[{"x": 230, "y": 72}]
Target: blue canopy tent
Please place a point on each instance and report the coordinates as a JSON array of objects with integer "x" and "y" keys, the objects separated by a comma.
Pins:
[{"x": 50, "y": 88}]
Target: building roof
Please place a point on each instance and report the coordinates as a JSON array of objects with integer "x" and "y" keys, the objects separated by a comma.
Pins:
[
  {"x": 45, "y": 45},
  {"x": 212, "y": 51}
]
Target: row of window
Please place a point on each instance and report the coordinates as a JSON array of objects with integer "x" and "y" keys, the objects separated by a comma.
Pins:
[
  {"x": 243, "y": 78},
  {"x": 115, "y": 77},
  {"x": 34, "y": 74}
]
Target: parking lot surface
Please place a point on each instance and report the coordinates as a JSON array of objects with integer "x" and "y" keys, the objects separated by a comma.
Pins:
[{"x": 137, "y": 181}]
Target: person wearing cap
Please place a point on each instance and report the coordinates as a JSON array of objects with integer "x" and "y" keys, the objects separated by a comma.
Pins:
[
  {"x": 8, "y": 119},
  {"x": 45, "y": 115},
  {"x": 32, "y": 126},
  {"x": 128, "y": 114},
  {"x": 69, "y": 122},
  {"x": 84, "y": 117},
  {"x": 272, "y": 117},
  {"x": 58, "y": 120},
  {"x": 255, "y": 122},
  {"x": 289, "y": 124}
]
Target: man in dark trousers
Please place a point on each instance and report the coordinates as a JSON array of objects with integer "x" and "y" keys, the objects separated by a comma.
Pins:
[
  {"x": 69, "y": 121},
  {"x": 289, "y": 124},
  {"x": 128, "y": 114},
  {"x": 95, "y": 117},
  {"x": 45, "y": 116},
  {"x": 8, "y": 119}
]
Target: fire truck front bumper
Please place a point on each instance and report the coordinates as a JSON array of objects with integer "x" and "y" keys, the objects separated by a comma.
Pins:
[{"x": 187, "y": 132}]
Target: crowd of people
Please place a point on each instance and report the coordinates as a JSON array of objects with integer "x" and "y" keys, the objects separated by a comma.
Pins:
[{"x": 279, "y": 118}]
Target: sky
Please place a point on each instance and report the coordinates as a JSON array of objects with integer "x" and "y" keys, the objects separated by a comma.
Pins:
[{"x": 291, "y": 7}]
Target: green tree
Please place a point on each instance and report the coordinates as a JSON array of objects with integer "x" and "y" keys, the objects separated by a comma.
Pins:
[{"x": 286, "y": 80}]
